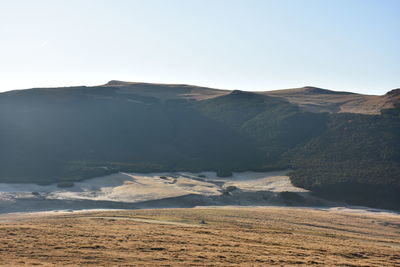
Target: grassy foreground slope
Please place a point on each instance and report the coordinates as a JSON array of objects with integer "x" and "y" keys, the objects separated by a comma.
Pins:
[{"x": 174, "y": 237}]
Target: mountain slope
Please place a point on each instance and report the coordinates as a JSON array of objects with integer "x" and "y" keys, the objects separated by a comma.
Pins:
[
  {"x": 357, "y": 159},
  {"x": 321, "y": 100},
  {"x": 50, "y": 135},
  {"x": 69, "y": 133}
]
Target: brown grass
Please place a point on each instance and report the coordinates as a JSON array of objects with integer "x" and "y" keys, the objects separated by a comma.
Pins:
[
  {"x": 314, "y": 101},
  {"x": 174, "y": 237}
]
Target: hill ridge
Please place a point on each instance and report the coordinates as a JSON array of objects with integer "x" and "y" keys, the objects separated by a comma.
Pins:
[{"x": 309, "y": 98}]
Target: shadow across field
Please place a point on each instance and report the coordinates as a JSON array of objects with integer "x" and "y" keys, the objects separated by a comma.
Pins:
[{"x": 237, "y": 197}]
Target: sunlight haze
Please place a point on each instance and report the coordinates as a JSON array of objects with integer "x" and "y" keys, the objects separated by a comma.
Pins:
[{"x": 249, "y": 45}]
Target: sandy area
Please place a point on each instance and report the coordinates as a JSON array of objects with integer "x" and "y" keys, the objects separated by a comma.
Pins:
[
  {"x": 276, "y": 181},
  {"x": 136, "y": 187}
]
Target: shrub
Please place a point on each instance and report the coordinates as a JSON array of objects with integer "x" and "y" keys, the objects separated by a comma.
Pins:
[
  {"x": 65, "y": 184},
  {"x": 291, "y": 197},
  {"x": 224, "y": 173}
]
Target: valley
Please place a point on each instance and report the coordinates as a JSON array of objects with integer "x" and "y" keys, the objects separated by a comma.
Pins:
[{"x": 158, "y": 190}]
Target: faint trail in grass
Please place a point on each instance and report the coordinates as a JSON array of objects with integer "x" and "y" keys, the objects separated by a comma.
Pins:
[{"x": 147, "y": 221}]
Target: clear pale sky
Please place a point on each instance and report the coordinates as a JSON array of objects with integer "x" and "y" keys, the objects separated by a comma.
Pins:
[{"x": 345, "y": 45}]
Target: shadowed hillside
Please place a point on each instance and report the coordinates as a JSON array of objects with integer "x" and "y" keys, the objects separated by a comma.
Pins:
[{"x": 50, "y": 135}]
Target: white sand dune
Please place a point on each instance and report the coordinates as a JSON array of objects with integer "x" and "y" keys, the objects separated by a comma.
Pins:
[
  {"x": 125, "y": 187},
  {"x": 135, "y": 187},
  {"x": 276, "y": 181}
]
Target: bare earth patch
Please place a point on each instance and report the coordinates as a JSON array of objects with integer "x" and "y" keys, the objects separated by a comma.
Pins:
[{"x": 251, "y": 236}]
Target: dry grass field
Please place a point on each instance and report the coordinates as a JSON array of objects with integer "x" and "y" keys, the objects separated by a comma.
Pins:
[{"x": 174, "y": 237}]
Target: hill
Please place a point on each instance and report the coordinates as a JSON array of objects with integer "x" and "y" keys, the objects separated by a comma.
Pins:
[
  {"x": 164, "y": 91},
  {"x": 51, "y": 135},
  {"x": 322, "y": 100}
]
